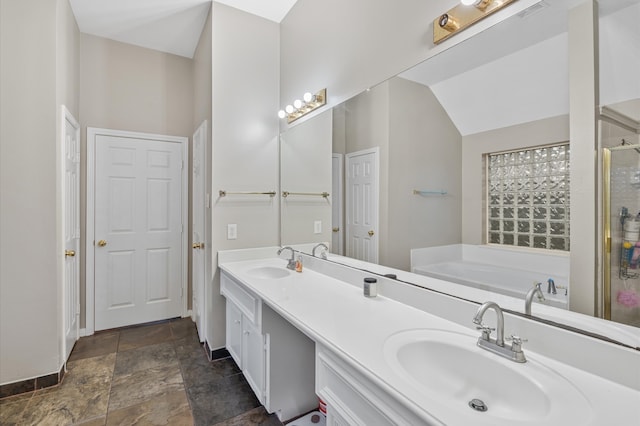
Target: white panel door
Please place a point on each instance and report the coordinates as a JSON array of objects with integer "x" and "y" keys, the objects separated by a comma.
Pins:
[
  {"x": 198, "y": 209},
  {"x": 337, "y": 183},
  {"x": 138, "y": 231},
  {"x": 362, "y": 205},
  {"x": 71, "y": 229}
]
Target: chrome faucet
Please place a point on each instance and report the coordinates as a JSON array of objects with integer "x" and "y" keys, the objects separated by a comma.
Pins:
[
  {"x": 536, "y": 289},
  {"x": 500, "y": 317},
  {"x": 485, "y": 341},
  {"x": 292, "y": 262},
  {"x": 323, "y": 254},
  {"x": 551, "y": 286}
]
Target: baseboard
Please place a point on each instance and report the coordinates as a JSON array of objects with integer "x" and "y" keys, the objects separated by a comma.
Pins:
[
  {"x": 215, "y": 354},
  {"x": 30, "y": 385}
]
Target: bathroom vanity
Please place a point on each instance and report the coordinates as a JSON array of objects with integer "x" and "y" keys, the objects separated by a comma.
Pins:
[{"x": 408, "y": 356}]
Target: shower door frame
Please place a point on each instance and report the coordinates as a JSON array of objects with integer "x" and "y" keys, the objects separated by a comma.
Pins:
[{"x": 606, "y": 201}]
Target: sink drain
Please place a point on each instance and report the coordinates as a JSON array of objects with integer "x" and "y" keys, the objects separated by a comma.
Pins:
[{"x": 478, "y": 405}]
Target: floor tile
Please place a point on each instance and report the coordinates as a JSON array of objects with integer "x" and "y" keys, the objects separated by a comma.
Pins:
[
  {"x": 98, "y": 344},
  {"x": 137, "y": 387},
  {"x": 98, "y": 421},
  {"x": 160, "y": 355},
  {"x": 215, "y": 402},
  {"x": 67, "y": 405},
  {"x": 136, "y": 337},
  {"x": 189, "y": 347},
  {"x": 87, "y": 372},
  {"x": 200, "y": 371},
  {"x": 182, "y": 328},
  {"x": 11, "y": 408},
  {"x": 167, "y": 409},
  {"x": 256, "y": 417}
]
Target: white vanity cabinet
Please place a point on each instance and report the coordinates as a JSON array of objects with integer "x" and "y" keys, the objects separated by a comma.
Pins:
[
  {"x": 354, "y": 399},
  {"x": 244, "y": 340},
  {"x": 275, "y": 357}
]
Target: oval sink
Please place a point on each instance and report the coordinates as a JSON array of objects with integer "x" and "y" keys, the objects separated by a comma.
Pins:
[
  {"x": 454, "y": 372},
  {"x": 268, "y": 272}
]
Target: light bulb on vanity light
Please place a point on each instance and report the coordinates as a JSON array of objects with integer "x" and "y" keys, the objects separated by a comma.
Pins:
[
  {"x": 297, "y": 104},
  {"x": 282, "y": 114},
  {"x": 308, "y": 97},
  {"x": 480, "y": 4},
  {"x": 289, "y": 109}
]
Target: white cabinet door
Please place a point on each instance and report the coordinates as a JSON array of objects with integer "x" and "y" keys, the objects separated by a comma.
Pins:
[
  {"x": 253, "y": 357},
  {"x": 234, "y": 333}
]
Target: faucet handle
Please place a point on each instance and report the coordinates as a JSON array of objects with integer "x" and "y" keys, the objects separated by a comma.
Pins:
[
  {"x": 516, "y": 346},
  {"x": 486, "y": 331}
]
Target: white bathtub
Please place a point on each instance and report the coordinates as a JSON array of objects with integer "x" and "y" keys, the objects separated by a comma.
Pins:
[{"x": 514, "y": 280}]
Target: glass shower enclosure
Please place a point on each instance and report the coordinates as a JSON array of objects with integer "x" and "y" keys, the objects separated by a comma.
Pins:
[{"x": 621, "y": 195}]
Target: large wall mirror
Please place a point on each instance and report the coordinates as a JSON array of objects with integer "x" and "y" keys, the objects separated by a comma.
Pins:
[{"x": 414, "y": 150}]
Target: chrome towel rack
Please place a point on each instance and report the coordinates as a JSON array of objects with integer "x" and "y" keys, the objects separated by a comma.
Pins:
[
  {"x": 224, "y": 193},
  {"x": 285, "y": 194},
  {"x": 429, "y": 192}
]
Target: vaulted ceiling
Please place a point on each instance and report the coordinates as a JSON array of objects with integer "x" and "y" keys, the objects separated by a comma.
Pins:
[{"x": 172, "y": 26}]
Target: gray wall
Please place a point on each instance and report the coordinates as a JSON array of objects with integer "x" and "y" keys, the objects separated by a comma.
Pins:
[
  {"x": 305, "y": 166},
  {"x": 127, "y": 87},
  {"x": 245, "y": 140},
  {"x": 420, "y": 148},
  {"x": 425, "y": 152},
  {"x": 39, "y": 63}
]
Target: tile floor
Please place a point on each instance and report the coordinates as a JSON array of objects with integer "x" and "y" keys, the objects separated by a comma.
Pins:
[{"x": 154, "y": 374}]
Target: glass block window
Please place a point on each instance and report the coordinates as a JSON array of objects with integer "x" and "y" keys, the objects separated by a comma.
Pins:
[{"x": 528, "y": 197}]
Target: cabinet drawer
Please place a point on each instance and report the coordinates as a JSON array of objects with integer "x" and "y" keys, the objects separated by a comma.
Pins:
[
  {"x": 243, "y": 298},
  {"x": 338, "y": 388},
  {"x": 354, "y": 398}
]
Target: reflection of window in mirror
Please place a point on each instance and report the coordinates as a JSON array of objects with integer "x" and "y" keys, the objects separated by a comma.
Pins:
[{"x": 528, "y": 197}]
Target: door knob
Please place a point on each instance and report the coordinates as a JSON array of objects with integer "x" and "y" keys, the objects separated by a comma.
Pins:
[
  {"x": 69, "y": 253},
  {"x": 371, "y": 233},
  {"x": 198, "y": 245},
  {"x": 336, "y": 229},
  {"x": 102, "y": 243}
]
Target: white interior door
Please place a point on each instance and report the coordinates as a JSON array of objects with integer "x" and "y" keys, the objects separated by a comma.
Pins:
[
  {"x": 362, "y": 205},
  {"x": 71, "y": 229},
  {"x": 198, "y": 211},
  {"x": 337, "y": 230},
  {"x": 138, "y": 230}
]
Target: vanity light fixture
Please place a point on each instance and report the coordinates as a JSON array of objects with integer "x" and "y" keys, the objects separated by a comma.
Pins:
[
  {"x": 309, "y": 102},
  {"x": 464, "y": 15}
]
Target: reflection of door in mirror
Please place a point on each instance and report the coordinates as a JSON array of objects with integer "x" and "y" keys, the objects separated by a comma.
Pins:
[{"x": 362, "y": 204}]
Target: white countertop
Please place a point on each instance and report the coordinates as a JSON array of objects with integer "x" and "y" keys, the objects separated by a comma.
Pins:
[{"x": 338, "y": 316}]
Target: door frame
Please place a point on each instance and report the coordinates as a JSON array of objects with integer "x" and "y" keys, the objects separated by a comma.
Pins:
[
  {"x": 201, "y": 294},
  {"x": 92, "y": 133},
  {"x": 338, "y": 202},
  {"x": 376, "y": 179},
  {"x": 67, "y": 116}
]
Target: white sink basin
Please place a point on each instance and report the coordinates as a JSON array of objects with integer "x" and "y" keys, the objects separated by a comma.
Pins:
[
  {"x": 268, "y": 272},
  {"x": 450, "y": 369}
]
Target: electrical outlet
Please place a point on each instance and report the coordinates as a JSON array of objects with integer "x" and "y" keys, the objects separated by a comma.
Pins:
[
  {"x": 317, "y": 227},
  {"x": 232, "y": 231}
]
